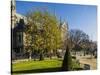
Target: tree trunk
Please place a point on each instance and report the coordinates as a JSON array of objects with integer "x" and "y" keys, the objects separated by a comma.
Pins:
[
  {"x": 30, "y": 55},
  {"x": 84, "y": 52},
  {"x": 50, "y": 56},
  {"x": 41, "y": 56}
]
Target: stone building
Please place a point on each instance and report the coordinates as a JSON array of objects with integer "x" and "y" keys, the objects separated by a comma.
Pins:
[
  {"x": 18, "y": 23},
  {"x": 64, "y": 33}
]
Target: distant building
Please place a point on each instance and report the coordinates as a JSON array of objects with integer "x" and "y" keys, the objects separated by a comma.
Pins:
[{"x": 64, "y": 33}]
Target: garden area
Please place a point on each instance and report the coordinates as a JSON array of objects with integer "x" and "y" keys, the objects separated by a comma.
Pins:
[{"x": 47, "y": 65}]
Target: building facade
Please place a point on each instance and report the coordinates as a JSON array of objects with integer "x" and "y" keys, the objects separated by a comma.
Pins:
[{"x": 18, "y": 23}]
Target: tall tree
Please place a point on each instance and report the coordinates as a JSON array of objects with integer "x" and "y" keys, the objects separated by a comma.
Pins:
[
  {"x": 43, "y": 31},
  {"x": 78, "y": 39}
]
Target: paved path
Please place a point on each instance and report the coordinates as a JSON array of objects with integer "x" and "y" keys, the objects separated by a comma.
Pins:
[{"x": 88, "y": 60}]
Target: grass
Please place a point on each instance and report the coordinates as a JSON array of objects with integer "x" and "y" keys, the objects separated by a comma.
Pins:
[
  {"x": 36, "y": 66},
  {"x": 48, "y": 65},
  {"x": 75, "y": 65}
]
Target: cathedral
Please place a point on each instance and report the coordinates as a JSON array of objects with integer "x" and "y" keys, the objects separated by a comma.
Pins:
[{"x": 18, "y": 24}]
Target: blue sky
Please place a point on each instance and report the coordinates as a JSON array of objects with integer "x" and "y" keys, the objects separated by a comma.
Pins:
[{"x": 83, "y": 17}]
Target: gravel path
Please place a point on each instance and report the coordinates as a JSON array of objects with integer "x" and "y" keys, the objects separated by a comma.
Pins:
[{"x": 88, "y": 60}]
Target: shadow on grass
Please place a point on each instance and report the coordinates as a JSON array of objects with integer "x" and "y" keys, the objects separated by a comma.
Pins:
[
  {"x": 44, "y": 70},
  {"x": 39, "y": 70}
]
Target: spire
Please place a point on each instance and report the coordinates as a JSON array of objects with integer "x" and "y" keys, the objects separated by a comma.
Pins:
[
  {"x": 65, "y": 24},
  {"x": 13, "y": 2},
  {"x": 60, "y": 21}
]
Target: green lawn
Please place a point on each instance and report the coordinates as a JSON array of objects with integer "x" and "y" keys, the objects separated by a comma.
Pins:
[
  {"x": 37, "y": 66},
  {"x": 48, "y": 65}
]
